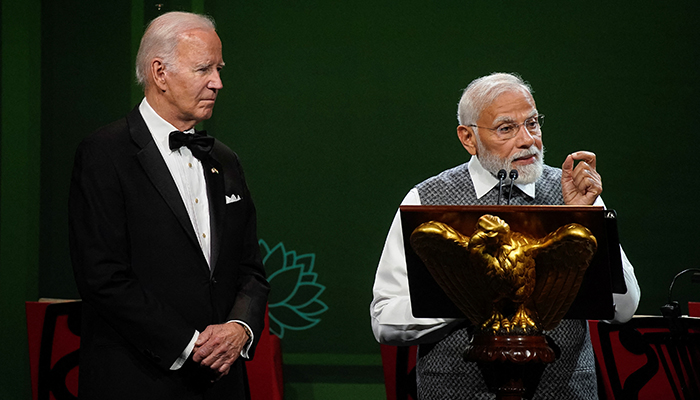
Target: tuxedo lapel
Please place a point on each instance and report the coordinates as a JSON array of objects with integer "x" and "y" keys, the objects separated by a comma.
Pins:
[
  {"x": 213, "y": 173},
  {"x": 152, "y": 162}
]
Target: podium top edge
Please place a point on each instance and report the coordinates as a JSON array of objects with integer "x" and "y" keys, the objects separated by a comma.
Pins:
[{"x": 493, "y": 208}]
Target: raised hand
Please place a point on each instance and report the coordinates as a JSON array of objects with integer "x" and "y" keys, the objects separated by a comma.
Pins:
[{"x": 580, "y": 185}]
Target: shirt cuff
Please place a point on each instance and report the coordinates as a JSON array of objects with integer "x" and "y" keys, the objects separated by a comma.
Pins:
[
  {"x": 186, "y": 353},
  {"x": 246, "y": 347}
]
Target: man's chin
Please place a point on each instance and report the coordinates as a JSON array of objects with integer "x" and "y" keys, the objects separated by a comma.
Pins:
[{"x": 205, "y": 113}]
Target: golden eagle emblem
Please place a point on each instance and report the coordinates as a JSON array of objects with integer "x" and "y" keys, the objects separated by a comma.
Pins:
[{"x": 507, "y": 282}]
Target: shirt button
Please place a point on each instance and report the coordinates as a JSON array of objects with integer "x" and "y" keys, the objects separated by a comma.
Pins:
[
  {"x": 204, "y": 235},
  {"x": 189, "y": 165},
  {"x": 196, "y": 200}
]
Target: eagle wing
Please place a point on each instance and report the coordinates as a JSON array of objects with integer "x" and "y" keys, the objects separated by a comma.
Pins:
[
  {"x": 562, "y": 258},
  {"x": 445, "y": 253}
]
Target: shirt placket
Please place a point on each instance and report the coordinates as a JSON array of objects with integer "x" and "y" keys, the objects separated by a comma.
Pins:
[{"x": 195, "y": 188}]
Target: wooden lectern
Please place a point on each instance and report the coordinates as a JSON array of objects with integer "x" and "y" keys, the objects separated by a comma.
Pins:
[{"x": 563, "y": 261}]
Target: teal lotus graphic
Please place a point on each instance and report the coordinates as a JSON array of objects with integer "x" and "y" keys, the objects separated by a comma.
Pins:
[{"x": 294, "y": 296}]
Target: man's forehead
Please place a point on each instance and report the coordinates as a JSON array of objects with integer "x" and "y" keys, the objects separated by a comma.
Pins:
[
  {"x": 196, "y": 34},
  {"x": 200, "y": 45},
  {"x": 511, "y": 105}
]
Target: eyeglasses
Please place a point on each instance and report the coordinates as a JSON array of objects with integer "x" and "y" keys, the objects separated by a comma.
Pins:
[{"x": 510, "y": 130}]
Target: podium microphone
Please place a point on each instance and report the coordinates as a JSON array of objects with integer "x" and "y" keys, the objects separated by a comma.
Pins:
[
  {"x": 501, "y": 177},
  {"x": 513, "y": 176}
]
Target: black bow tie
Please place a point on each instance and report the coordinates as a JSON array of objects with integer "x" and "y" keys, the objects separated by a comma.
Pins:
[{"x": 199, "y": 143}]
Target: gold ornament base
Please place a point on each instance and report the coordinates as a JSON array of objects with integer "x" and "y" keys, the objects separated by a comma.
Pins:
[{"x": 511, "y": 365}]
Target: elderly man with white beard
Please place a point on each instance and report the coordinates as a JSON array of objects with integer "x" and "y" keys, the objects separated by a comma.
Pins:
[{"x": 500, "y": 126}]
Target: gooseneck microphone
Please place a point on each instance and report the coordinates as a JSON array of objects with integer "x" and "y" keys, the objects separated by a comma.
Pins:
[
  {"x": 513, "y": 176},
  {"x": 501, "y": 177},
  {"x": 672, "y": 308}
]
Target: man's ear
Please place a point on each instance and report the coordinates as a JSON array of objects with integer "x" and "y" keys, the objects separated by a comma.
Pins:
[
  {"x": 157, "y": 72},
  {"x": 467, "y": 137}
]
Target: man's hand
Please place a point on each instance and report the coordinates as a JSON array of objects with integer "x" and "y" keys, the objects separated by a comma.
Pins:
[
  {"x": 580, "y": 185},
  {"x": 219, "y": 346}
]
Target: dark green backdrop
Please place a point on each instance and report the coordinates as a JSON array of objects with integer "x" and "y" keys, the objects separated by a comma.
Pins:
[{"x": 337, "y": 109}]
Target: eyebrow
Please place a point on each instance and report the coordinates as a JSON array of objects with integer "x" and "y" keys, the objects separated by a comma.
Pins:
[
  {"x": 210, "y": 64},
  {"x": 508, "y": 120}
]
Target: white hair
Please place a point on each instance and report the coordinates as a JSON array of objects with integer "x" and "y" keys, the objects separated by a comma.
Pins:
[
  {"x": 481, "y": 92},
  {"x": 162, "y": 37}
]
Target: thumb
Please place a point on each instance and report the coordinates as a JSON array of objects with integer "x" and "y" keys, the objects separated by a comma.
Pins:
[{"x": 568, "y": 166}]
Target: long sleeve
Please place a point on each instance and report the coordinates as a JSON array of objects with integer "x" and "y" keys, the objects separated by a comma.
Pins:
[
  {"x": 390, "y": 310},
  {"x": 625, "y": 304},
  {"x": 249, "y": 306}
]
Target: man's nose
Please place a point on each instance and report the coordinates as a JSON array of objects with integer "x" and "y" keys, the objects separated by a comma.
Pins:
[
  {"x": 523, "y": 137},
  {"x": 216, "y": 83}
]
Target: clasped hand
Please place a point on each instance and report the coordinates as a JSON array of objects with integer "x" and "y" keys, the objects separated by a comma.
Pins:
[
  {"x": 580, "y": 185},
  {"x": 219, "y": 346}
]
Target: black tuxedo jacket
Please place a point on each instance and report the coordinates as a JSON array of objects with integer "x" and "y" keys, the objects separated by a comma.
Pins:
[{"x": 145, "y": 283}]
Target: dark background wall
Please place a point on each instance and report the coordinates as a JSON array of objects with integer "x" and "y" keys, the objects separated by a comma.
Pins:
[{"x": 337, "y": 109}]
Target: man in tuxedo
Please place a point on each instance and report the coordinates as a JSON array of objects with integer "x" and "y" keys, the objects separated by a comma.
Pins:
[{"x": 163, "y": 235}]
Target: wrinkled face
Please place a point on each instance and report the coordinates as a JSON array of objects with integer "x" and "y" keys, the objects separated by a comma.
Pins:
[
  {"x": 522, "y": 152},
  {"x": 191, "y": 87}
]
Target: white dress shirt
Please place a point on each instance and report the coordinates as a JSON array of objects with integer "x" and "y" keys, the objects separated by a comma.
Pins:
[
  {"x": 188, "y": 174},
  {"x": 391, "y": 316}
]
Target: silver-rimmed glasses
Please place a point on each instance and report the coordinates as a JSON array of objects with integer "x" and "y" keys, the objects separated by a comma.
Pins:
[{"x": 509, "y": 130}]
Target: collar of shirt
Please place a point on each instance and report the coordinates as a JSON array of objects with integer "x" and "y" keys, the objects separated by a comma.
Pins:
[
  {"x": 484, "y": 181},
  {"x": 160, "y": 128}
]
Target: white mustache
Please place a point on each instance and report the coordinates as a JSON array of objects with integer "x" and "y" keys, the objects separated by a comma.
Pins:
[{"x": 532, "y": 151}]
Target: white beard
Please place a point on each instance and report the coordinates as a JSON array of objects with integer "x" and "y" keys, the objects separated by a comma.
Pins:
[{"x": 526, "y": 173}]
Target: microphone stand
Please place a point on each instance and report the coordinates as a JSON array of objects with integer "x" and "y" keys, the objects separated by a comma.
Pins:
[
  {"x": 513, "y": 177},
  {"x": 501, "y": 177}
]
